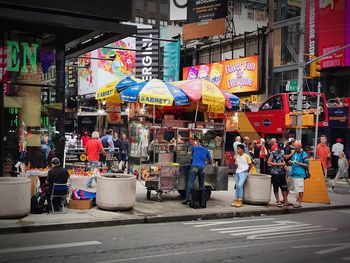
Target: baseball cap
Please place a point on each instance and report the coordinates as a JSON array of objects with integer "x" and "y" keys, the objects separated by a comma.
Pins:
[
  {"x": 55, "y": 161},
  {"x": 291, "y": 140},
  {"x": 339, "y": 140}
]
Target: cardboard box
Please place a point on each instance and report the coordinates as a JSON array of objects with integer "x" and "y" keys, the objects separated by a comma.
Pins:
[
  {"x": 34, "y": 181},
  {"x": 80, "y": 204}
]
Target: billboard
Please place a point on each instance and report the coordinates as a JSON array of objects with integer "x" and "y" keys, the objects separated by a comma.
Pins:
[
  {"x": 327, "y": 29},
  {"x": 147, "y": 54},
  {"x": 236, "y": 76},
  {"x": 172, "y": 61},
  {"x": 201, "y": 10},
  {"x": 101, "y": 72},
  {"x": 178, "y": 9},
  {"x": 204, "y": 29}
]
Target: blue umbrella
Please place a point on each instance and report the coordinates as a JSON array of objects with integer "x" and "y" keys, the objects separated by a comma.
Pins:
[
  {"x": 234, "y": 100},
  {"x": 127, "y": 82}
]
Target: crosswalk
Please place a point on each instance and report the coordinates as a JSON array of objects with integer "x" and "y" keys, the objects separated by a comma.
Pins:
[{"x": 260, "y": 228}]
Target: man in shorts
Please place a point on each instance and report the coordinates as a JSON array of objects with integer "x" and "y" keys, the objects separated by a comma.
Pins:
[
  {"x": 277, "y": 163},
  {"x": 299, "y": 162}
]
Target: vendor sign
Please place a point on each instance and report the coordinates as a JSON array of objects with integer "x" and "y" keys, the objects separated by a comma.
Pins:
[{"x": 235, "y": 76}]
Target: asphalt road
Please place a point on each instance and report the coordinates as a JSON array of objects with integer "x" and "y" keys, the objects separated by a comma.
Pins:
[{"x": 322, "y": 236}]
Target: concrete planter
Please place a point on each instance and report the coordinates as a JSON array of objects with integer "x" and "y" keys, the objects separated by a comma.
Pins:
[
  {"x": 14, "y": 197},
  {"x": 257, "y": 189},
  {"x": 116, "y": 191}
]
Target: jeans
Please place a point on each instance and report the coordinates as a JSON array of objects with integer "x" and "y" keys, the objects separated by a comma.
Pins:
[
  {"x": 195, "y": 170},
  {"x": 94, "y": 165},
  {"x": 240, "y": 179}
]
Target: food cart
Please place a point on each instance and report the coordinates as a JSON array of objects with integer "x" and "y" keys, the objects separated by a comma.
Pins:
[{"x": 160, "y": 155}]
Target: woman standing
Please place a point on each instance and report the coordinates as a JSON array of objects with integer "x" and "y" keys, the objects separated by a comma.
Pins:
[{"x": 343, "y": 172}]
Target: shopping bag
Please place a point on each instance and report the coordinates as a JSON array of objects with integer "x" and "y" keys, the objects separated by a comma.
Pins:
[{"x": 290, "y": 183}]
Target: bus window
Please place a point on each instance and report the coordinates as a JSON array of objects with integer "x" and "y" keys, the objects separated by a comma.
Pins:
[{"x": 274, "y": 103}]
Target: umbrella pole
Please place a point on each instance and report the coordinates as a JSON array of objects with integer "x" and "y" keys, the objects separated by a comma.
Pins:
[
  {"x": 195, "y": 117},
  {"x": 154, "y": 113}
]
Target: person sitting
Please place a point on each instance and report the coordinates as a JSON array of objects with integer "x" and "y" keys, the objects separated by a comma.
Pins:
[{"x": 56, "y": 175}]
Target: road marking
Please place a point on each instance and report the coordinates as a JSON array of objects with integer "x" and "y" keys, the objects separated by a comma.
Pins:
[
  {"x": 198, "y": 251},
  {"x": 346, "y": 259},
  {"x": 344, "y": 211},
  {"x": 274, "y": 229},
  {"x": 336, "y": 247},
  {"x": 203, "y": 224},
  {"x": 34, "y": 248}
]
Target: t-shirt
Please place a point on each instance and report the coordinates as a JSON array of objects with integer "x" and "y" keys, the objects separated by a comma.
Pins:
[
  {"x": 337, "y": 148},
  {"x": 243, "y": 161},
  {"x": 200, "y": 155},
  {"x": 93, "y": 148},
  {"x": 274, "y": 147},
  {"x": 323, "y": 152},
  {"x": 85, "y": 139},
  {"x": 277, "y": 157},
  {"x": 298, "y": 171}
]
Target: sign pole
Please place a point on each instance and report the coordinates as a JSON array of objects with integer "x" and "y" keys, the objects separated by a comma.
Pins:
[
  {"x": 317, "y": 115},
  {"x": 301, "y": 71}
]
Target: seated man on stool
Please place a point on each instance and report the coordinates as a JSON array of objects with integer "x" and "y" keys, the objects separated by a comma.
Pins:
[
  {"x": 56, "y": 175},
  {"x": 199, "y": 156}
]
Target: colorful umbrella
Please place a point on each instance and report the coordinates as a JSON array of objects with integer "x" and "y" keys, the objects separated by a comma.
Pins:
[
  {"x": 155, "y": 92},
  {"x": 231, "y": 99},
  {"x": 108, "y": 92},
  {"x": 127, "y": 82}
]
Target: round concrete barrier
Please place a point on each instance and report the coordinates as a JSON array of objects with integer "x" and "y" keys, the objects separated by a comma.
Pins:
[
  {"x": 257, "y": 189},
  {"x": 14, "y": 197},
  {"x": 116, "y": 191}
]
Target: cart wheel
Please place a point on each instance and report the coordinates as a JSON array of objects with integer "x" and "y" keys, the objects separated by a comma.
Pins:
[
  {"x": 148, "y": 194},
  {"x": 208, "y": 192},
  {"x": 159, "y": 197},
  {"x": 182, "y": 193}
]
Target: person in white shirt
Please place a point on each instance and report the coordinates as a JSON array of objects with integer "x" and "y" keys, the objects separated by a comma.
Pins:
[
  {"x": 72, "y": 142},
  {"x": 337, "y": 148}
]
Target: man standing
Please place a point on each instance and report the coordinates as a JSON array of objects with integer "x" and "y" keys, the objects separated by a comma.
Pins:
[
  {"x": 246, "y": 143},
  {"x": 199, "y": 156},
  {"x": 85, "y": 138},
  {"x": 93, "y": 149},
  {"x": 273, "y": 143},
  {"x": 123, "y": 151},
  {"x": 337, "y": 148},
  {"x": 276, "y": 160},
  {"x": 56, "y": 175},
  {"x": 323, "y": 153},
  {"x": 237, "y": 141},
  {"x": 107, "y": 141},
  {"x": 299, "y": 162},
  {"x": 243, "y": 163}
]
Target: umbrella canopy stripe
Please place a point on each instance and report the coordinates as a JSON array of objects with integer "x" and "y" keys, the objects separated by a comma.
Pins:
[{"x": 127, "y": 82}]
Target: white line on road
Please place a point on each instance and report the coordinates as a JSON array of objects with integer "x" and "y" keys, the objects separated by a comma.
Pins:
[
  {"x": 34, "y": 248},
  {"x": 202, "y": 224},
  {"x": 336, "y": 247},
  {"x": 203, "y": 250}
]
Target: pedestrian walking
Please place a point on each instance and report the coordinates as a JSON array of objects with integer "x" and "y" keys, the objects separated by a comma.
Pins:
[
  {"x": 299, "y": 162},
  {"x": 278, "y": 177},
  {"x": 323, "y": 153},
  {"x": 262, "y": 155},
  {"x": 343, "y": 170},
  {"x": 85, "y": 138},
  {"x": 243, "y": 163},
  {"x": 199, "y": 156},
  {"x": 337, "y": 148}
]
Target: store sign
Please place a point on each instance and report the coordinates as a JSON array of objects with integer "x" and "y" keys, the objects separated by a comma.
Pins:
[
  {"x": 75, "y": 156},
  {"x": 235, "y": 76},
  {"x": 338, "y": 117},
  {"x": 16, "y": 62},
  {"x": 147, "y": 54},
  {"x": 200, "y": 10}
]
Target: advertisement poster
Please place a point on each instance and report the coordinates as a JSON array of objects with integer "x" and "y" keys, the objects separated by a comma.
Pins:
[
  {"x": 172, "y": 61},
  {"x": 97, "y": 73},
  {"x": 201, "y": 10},
  {"x": 338, "y": 117},
  {"x": 235, "y": 76}
]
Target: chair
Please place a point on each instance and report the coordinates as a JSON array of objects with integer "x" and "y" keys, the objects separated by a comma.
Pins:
[{"x": 59, "y": 194}]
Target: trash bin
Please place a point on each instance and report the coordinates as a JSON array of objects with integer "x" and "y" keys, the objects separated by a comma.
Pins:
[
  {"x": 257, "y": 189},
  {"x": 116, "y": 191},
  {"x": 14, "y": 197}
]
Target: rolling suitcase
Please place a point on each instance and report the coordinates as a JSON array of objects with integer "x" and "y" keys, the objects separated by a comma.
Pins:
[{"x": 198, "y": 198}]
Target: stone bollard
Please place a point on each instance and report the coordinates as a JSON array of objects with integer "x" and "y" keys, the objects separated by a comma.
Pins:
[{"x": 257, "y": 189}]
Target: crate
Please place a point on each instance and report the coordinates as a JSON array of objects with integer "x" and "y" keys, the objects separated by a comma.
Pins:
[{"x": 80, "y": 204}]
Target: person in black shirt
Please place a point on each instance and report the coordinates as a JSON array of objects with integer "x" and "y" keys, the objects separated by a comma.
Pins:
[{"x": 58, "y": 175}]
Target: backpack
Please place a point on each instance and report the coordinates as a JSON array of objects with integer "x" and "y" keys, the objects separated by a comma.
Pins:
[
  {"x": 37, "y": 204},
  {"x": 104, "y": 142}
]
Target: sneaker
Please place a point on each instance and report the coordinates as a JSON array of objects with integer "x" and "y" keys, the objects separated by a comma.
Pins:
[{"x": 186, "y": 202}]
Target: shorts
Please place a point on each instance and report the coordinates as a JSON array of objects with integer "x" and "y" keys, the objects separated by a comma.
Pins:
[
  {"x": 279, "y": 181},
  {"x": 298, "y": 185}
]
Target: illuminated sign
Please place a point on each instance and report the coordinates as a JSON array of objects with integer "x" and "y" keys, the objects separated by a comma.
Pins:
[
  {"x": 236, "y": 76},
  {"x": 28, "y": 52}
]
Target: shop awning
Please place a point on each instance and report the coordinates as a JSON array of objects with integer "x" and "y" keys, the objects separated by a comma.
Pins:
[{"x": 12, "y": 102}]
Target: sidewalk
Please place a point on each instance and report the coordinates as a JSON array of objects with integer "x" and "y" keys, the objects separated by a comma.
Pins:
[{"x": 151, "y": 211}]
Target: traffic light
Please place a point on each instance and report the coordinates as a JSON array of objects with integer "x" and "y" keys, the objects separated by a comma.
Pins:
[{"x": 315, "y": 68}]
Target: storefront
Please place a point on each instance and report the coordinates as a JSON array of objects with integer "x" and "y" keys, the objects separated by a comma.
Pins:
[{"x": 36, "y": 40}]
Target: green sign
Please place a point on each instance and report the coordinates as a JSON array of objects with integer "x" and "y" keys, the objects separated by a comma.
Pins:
[
  {"x": 292, "y": 85},
  {"x": 29, "y": 54}
]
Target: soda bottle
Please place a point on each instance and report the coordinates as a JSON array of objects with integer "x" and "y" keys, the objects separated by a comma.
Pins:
[
  {"x": 216, "y": 73},
  {"x": 203, "y": 72},
  {"x": 192, "y": 73}
]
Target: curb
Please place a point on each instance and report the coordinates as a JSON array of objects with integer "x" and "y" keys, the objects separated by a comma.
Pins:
[{"x": 161, "y": 219}]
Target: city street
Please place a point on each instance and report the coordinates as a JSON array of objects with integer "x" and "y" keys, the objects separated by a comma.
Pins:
[{"x": 313, "y": 236}]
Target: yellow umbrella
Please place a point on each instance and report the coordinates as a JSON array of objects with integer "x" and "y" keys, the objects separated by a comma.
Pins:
[{"x": 108, "y": 92}]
